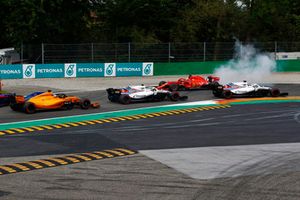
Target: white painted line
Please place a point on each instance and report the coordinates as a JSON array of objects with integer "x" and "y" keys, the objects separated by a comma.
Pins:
[
  {"x": 297, "y": 117},
  {"x": 230, "y": 161},
  {"x": 195, "y": 103}
]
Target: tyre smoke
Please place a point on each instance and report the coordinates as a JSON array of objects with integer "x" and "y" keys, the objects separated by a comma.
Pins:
[{"x": 247, "y": 64}]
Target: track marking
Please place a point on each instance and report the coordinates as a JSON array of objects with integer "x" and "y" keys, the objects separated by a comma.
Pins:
[
  {"x": 296, "y": 117},
  {"x": 64, "y": 160},
  {"x": 109, "y": 120}
]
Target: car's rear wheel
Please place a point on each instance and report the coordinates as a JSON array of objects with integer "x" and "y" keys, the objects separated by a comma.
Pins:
[
  {"x": 274, "y": 92},
  {"x": 174, "y": 96},
  {"x": 29, "y": 108},
  {"x": 14, "y": 106},
  {"x": 110, "y": 98},
  {"x": 227, "y": 94},
  {"x": 125, "y": 99},
  {"x": 85, "y": 104}
]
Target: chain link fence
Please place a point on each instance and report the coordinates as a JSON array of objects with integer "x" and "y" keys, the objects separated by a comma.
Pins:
[{"x": 142, "y": 52}]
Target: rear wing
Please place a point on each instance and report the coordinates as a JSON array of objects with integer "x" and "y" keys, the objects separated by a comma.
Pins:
[{"x": 112, "y": 91}]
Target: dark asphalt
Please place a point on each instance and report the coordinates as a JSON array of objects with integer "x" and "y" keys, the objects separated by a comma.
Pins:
[
  {"x": 7, "y": 115},
  {"x": 238, "y": 125}
]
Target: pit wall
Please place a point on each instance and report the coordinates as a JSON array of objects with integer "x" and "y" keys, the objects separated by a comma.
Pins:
[{"x": 184, "y": 68}]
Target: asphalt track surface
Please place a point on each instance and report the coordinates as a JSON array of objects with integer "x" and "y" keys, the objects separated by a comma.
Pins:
[
  {"x": 7, "y": 115},
  {"x": 139, "y": 177},
  {"x": 237, "y": 125}
]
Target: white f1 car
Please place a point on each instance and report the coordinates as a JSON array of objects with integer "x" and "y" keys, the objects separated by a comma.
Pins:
[
  {"x": 244, "y": 89},
  {"x": 141, "y": 93}
]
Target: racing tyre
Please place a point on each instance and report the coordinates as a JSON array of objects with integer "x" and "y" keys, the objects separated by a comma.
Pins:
[
  {"x": 85, "y": 104},
  {"x": 161, "y": 83},
  {"x": 174, "y": 87},
  {"x": 111, "y": 98},
  {"x": 227, "y": 94},
  {"x": 125, "y": 99},
  {"x": 174, "y": 96},
  {"x": 214, "y": 85},
  {"x": 274, "y": 92},
  {"x": 217, "y": 93},
  {"x": 14, "y": 106},
  {"x": 29, "y": 108}
]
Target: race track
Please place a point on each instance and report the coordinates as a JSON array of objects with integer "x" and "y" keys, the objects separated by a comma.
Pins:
[
  {"x": 7, "y": 115},
  {"x": 240, "y": 152}
]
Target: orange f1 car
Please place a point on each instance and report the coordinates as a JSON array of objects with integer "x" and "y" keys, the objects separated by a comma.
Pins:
[{"x": 49, "y": 101}]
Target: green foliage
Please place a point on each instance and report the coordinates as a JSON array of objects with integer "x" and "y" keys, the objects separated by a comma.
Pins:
[{"x": 147, "y": 21}]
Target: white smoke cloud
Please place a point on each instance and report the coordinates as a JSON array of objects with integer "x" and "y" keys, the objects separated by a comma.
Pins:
[{"x": 248, "y": 64}]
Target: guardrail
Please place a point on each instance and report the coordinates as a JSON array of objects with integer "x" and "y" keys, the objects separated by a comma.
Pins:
[{"x": 71, "y": 70}]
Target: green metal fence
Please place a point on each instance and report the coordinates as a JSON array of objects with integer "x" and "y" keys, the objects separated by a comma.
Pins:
[{"x": 142, "y": 52}]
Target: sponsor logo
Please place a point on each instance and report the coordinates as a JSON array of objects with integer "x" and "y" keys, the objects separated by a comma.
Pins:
[
  {"x": 110, "y": 69},
  {"x": 129, "y": 69},
  {"x": 88, "y": 70},
  {"x": 70, "y": 70},
  {"x": 147, "y": 69},
  {"x": 10, "y": 71},
  {"x": 42, "y": 71},
  {"x": 29, "y": 71}
]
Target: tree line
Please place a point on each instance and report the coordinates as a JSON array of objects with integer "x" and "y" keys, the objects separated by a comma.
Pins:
[{"x": 147, "y": 21}]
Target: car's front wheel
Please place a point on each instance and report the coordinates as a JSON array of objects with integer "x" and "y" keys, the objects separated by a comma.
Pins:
[
  {"x": 85, "y": 104},
  {"x": 174, "y": 96},
  {"x": 227, "y": 94},
  {"x": 125, "y": 99},
  {"x": 274, "y": 92}
]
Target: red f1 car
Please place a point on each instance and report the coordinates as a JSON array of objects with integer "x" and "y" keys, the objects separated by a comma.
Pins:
[{"x": 192, "y": 82}]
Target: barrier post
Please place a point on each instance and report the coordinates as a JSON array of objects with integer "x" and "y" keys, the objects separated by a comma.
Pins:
[
  {"x": 275, "y": 49},
  {"x": 43, "y": 54},
  {"x": 204, "y": 51},
  {"x": 129, "y": 51},
  {"x": 92, "y": 52}
]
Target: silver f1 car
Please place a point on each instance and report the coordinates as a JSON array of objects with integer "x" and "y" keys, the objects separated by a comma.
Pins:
[
  {"x": 244, "y": 89},
  {"x": 141, "y": 93}
]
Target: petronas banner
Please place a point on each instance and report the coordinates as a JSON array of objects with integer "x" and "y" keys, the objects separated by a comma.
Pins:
[{"x": 73, "y": 70}]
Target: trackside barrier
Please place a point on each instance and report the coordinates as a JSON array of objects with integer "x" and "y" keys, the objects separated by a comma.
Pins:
[
  {"x": 184, "y": 68},
  {"x": 72, "y": 70}
]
